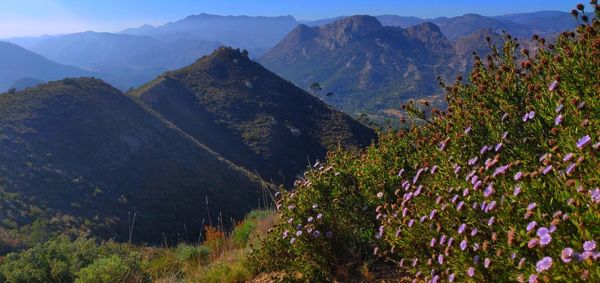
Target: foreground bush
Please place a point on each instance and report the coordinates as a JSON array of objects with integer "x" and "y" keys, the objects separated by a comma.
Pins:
[{"x": 504, "y": 186}]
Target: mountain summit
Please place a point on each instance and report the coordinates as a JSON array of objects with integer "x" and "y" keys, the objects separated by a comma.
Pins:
[{"x": 250, "y": 115}]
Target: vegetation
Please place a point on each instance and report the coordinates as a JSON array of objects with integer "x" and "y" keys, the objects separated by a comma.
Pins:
[{"x": 503, "y": 186}]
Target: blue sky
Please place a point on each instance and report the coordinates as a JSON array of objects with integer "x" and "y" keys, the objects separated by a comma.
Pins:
[{"x": 37, "y": 17}]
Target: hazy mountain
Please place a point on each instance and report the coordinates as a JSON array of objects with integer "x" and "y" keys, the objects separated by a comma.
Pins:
[
  {"x": 367, "y": 66},
  {"x": 544, "y": 22},
  {"x": 91, "y": 156},
  {"x": 26, "y": 82},
  {"x": 17, "y": 63},
  {"x": 257, "y": 34},
  {"x": 399, "y": 21},
  {"x": 250, "y": 115},
  {"x": 456, "y": 27},
  {"x": 128, "y": 60}
]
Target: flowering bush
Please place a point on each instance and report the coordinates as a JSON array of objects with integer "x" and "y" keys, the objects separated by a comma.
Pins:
[{"x": 503, "y": 186}]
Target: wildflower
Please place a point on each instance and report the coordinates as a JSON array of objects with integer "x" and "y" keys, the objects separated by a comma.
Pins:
[
  {"x": 290, "y": 220},
  {"x": 440, "y": 259},
  {"x": 450, "y": 241},
  {"x": 454, "y": 198},
  {"x": 432, "y": 214},
  {"x": 463, "y": 245},
  {"x": 553, "y": 86},
  {"x": 401, "y": 172},
  {"x": 471, "y": 271},
  {"x": 488, "y": 191},
  {"x": 491, "y": 221},
  {"x": 589, "y": 246},
  {"x": 521, "y": 262},
  {"x": 545, "y": 240},
  {"x": 299, "y": 233},
  {"x": 319, "y": 216},
  {"x": 315, "y": 206},
  {"x": 474, "y": 232},
  {"x": 566, "y": 255},
  {"x": 531, "y": 225},
  {"x": 486, "y": 262},
  {"x": 595, "y": 195},
  {"x": 504, "y": 135},
  {"x": 498, "y": 147},
  {"x": 570, "y": 168},
  {"x": 542, "y": 231},
  {"x": 547, "y": 169},
  {"x": 456, "y": 169},
  {"x": 434, "y": 169},
  {"x": 376, "y": 250},
  {"x": 310, "y": 219},
  {"x": 465, "y": 192},
  {"x": 580, "y": 105},
  {"x": 583, "y": 141},
  {"x": 504, "y": 116},
  {"x": 462, "y": 228},
  {"x": 379, "y": 194},
  {"x": 460, "y": 205},
  {"x": 329, "y": 234},
  {"x": 468, "y": 130},
  {"x": 568, "y": 157},
  {"x": 543, "y": 264},
  {"x": 476, "y": 259},
  {"x": 532, "y": 278},
  {"x": 517, "y": 190},
  {"x": 285, "y": 234},
  {"x": 442, "y": 239},
  {"x": 451, "y": 277},
  {"x": 483, "y": 150},
  {"x": 531, "y": 206},
  {"x": 518, "y": 176},
  {"x": 292, "y": 240},
  {"x": 490, "y": 206},
  {"x": 472, "y": 161},
  {"x": 404, "y": 212},
  {"x": 558, "y": 120}
]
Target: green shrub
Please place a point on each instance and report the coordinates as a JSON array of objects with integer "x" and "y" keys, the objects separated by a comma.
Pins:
[
  {"x": 107, "y": 270},
  {"x": 497, "y": 188},
  {"x": 194, "y": 254}
]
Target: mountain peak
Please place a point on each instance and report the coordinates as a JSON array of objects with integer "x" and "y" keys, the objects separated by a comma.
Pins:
[{"x": 342, "y": 31}]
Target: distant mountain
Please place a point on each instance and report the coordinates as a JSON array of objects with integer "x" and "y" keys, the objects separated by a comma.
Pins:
[
  {"x": 17, "y": 63},
  {"x": 250, "y": 115},
  {"x": 257, "y": 34},
  {"x": 399, "y": 21},
  {"x": 128, "y": 60},
  {"x": 544, "y": 22},
  {"x": 26, "y": 82},
  {"x": 456, "y": 27},
  {"x": 93, "y": 158},
  {"x": 367, "y": 66}
]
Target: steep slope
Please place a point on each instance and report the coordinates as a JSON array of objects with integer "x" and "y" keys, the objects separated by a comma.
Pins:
[
  {"x": 128, "y": 60},
  {"x": 367, "y": 66},
  {"x": 256, "y": 34},
  {"x": 93, "y": 158},
  {"x": 17, "y": 63},
  {"x": 251, "y": 116}
]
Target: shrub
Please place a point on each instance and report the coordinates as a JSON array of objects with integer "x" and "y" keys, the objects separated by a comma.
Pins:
[
  {"x": 503, "y": 186},
  {"x": 192, "y": 254},
  {"x": 106, "y": 270}
]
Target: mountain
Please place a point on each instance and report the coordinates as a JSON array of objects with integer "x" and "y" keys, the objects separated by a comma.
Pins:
[
  {"x": 92, "y": 158},
  {"x": 367, "y": 66},
  {"x": 126, "y": 59},
  {"x": 543, "y": 22},
  {"x": 455, "y": 27},
  {"x": 256, "y": 34},
  {"x": 399, "y": 21},
  {"x": 16, "y": 63},
  {"x": 26, "y": 82},
  {"x": 251, "y": 116}
]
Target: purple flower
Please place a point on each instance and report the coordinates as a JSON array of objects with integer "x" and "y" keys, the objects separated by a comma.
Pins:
[
  {"x": 472, "y": 161},
  {"x": 553, "y": 85},
  {"x": 559, "y": 108},
  {"x": 285, "y": 234},
  {"x": 460, "y": 205},
  {"x": 558, "y": 120},
  {"x": 329, "y": 234},
  {"x": 498, "y": 147},
  {"x": 442, "y": 239},
  {"x": 468, "y": 130},
  {"x": 440, "y": 259},
  {"x": 570, "y": 168},
  {"x": 545, "y": 240},
  {"x": 432, "y": 242},
  {"x": 568, "y": 157},
  {"x": 483, "y": 150},
  {"x": 518, "y": 176},
  {"x": 566, "y": 255},
  {"x": 589, "y": 246},
  {"x": 488, "y": 191},
  {"x": 400, "y": 172},
  {"x": 451, "y": 277},
  {"x": 517, "y": 190},
  {"x": 310, "y": 219},
  {"x": 543, "y": 264},
  {"x": 454, "y": 198},
  {"x": 531, "y": 225},
  {"x": 531, "y": 206},
  {"x": 474, "y": 232},
  {"x": 532, "y": 278},
  {"x": 299, "y": 233},
  {"x": 432, "y": 214},
  {"x": 292, "y": 240},
  {"x": 491, "y": 221},
  {"x": 547, "y": 169},
  {"x": 463, "y": 245},
  {"x": 504, "y": 116},
  {"x": 595, "y": 195},
  {"x": 486, "y": 262},
  {"x": 319, "y": 216},
  {"x": 411, "y": 222},
  {"x": 462, "y": 228},
  {"x": 456, "y": 169},
  {"x": 471, "y": 271},
  {"x": 583, "y": 141},
  {"x": 290, "y": 220},
  {"x": 434, "y": 169},
  {"x": 504, "y": 135},
  {"x": 542, "y": 231},
  {"x": 316, "y": 234}
]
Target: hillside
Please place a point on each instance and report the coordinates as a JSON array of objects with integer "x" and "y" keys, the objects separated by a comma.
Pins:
[
  {"x": 503, "y": 186},
  {"x": 17, "y": 63},
  {"x": 250, "y": 115},
  {"x": 92, "y": 159},
  {"x": 367, "y": 66}
]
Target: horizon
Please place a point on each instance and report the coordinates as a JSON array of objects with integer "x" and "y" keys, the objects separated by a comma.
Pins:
[{"x": 31, "y": 18}]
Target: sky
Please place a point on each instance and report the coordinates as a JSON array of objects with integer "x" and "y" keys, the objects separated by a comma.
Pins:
[{"x": 39, "y": 17}]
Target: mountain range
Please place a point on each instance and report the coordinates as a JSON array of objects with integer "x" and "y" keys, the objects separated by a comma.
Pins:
[{"x": 186, "y": 149}]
